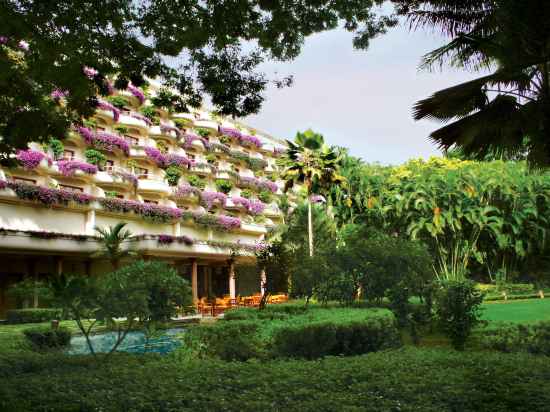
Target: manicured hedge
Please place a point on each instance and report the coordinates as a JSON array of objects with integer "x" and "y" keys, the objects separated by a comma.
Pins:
[
  {"x": 407, "y": 380},
  {"x": 533, "y": 339},
  {"x": 46, "y": 338},
  {"x": 32, "y": 315},
  {"x": 315, "y": 340}
]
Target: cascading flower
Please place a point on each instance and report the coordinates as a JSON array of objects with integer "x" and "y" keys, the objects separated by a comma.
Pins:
[
  {"x": 141, "y": 117},
  {"x": 23, "y": 45},
  {"x": 246, "y": 140},
  {"x": 103, "y": 105},
  {"x": 209, "y": 198},
  {"x": 164, "y": 161},
  {"x": 186, "y": 190},
  {"x": 104, "y": 140},
  {"x": 136, "y": 92},
  {"x": 227, "y": 131},
  {"x": 58, "y": 94},
  {"x": 90, "y": 72},
  {"x": 241, "y": 201},
  {"x": 256, "y": 207},
  {"x": 69, "y": 167},
  {"x": 30, "y": 159}
]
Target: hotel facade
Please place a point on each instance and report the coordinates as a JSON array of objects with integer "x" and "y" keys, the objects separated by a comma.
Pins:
[{"x": 196, "y": 190}]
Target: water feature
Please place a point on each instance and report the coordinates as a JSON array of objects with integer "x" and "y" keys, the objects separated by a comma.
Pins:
[{"x": 134, "y": 342}]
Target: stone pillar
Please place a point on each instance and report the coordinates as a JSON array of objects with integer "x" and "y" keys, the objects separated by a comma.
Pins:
[
  {"x": 194, "y": 281},
  {"x": 232, "y": 283},
  {"x": 263, "y": 281},
  {"x": 31, "y": 269},
  {"x": 58, "y": 265},
  {"x": 90, "y": 222}
]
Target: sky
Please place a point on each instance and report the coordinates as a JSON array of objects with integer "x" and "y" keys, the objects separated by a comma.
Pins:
[{"x": 359, "y": 99}]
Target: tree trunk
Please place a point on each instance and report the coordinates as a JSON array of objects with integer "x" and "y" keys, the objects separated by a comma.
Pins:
[{"x": 310, "y": 227}]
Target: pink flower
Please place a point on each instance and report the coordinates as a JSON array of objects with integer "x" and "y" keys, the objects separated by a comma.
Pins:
[
  {"x": 30, "y": 159},
  {"x": 90, "y": 72},
  {"x": 234, "y": 133},
  {"x": 3, "y": 39},
  {"x": 256, "y": 208},
  {"x": 186, "y": 191},
  {"x": 241, "y": 201},
  {"x": 104, "y": 140},
  {"x": 23, "y": 45},
  {"x": 142, "y": 118},
  {"x": 137, "y": 93},
  {"x": 250, "y": 141},
  {"x": 69, "y": 167},
  {"x": 164, "y": 161},
  {"x": 317, "y": 199},
  {"x": 208, "y": 199},
  {"x": 58, "y": 94},
  {"x": 229, "y": 222},
  {"x": 109, "y": 107}
]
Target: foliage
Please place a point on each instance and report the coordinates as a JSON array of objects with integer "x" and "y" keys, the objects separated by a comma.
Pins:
[
  {"x": 202, "y": 132},
  {"x": 246, "y": 193},
  {"x": 57, "y": 147},
  {"x": 457, "y": 310},
  {"x": 533, "y": 339},
  {"x": 315, "y": 340},
  {"x": 437, "y": 380},
  {"x": 119, "y": 102},
  {"x": 196, "y": 181},
  {"x": 121, "y": 129},
  {"x": 111, "y": 243},
  {"x": 34, "y": 315},
  {"x": 500, "y": 113},
  {"x": 95, "y": 157},
  {"x": 27, "y": 289},
  {"x": 173, "y": 175},
  {"x": 46, "y": 196},
  {"x": 265, "y": 196},
  {"x": 228, "y": 341},
  {"x": 224, "y": 185},
  {"x": 48, "y": 338}
]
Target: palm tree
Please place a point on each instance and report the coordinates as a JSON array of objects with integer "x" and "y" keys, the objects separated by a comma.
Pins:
[
  {"x": 111, "y": 239},
  {"x": 507, "y": 112},
  {"x": 310, "y": 163}
]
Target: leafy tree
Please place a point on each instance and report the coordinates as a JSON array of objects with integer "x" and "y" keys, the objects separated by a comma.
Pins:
[
  {"x": 312, "y": 164},
  {"x": 505, "y": 113},
  {"x": 45, "y": 46},
  {"x": 111, "y": 240}
]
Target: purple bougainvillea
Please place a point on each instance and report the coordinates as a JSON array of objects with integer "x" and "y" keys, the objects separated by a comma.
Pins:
[
  {"x": 186, "y": 191},
  {"x": 168, "y": 239},
  {"x": 256, "y": 207},
  {"x": 89, "y": 72},
  {"x": 269, "y": 185},
  {"x": 149, "y": 211},
  {"x": 3, "y": 39},
  {"x": 3, "y": 184},
  {"x": 46, "y": 196},
  {"x": 136, "y": 92},
  {"x": 125, "y": 176},
  {"x": 58, "y": 94},
  {"x": 104, "y": 140},
  {"x": 229, "y": 222},
  {"x": 241, "y": 201},
  {"x": 209, "y": 198},
  {"x": 30, "y": 159},
  {"x": 227, "y": 131},
  {"x": 190, "y": 138},
  {"x": 23, "y": 45},
  {"x": 142, "y": 118},
  {"x": 163, "y": 161},
  {"x": 103, "y": 105},
  {"x": 69, "y": 167},
  {"x": 250, "y": 141}
]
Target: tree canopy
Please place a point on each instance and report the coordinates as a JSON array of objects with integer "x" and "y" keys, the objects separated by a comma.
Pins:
[{"x": 71, "y": 49}]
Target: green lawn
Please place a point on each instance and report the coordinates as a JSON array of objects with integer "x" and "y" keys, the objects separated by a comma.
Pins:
[{"x": 518, "y": 311}]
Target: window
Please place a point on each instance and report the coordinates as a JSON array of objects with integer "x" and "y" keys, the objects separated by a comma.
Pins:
[
  {"x": 71, "y": 188},
  {"x": 131, "y": 140},
  {"x": 68, "y": 154},
  {"x": 153, "y": 202},
  {"x": 109, "y": 165},
  {"x": 141, "y": 172},
  {"x": 100, "y": 129}
]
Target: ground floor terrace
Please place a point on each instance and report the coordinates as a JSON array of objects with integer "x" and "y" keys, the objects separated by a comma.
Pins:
[{"x": 219, "y": 279}]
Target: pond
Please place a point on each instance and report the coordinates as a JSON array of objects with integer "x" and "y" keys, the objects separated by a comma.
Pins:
[{"x": 133, "y": 343}]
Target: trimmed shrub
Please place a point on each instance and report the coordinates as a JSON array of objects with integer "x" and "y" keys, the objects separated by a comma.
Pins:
[
  {"x": 47, "y": 338},
  {"x": 228, "y": 341},
  {"x": 35, "y": 315},
  {"x": 533, "y": 339},
  {"x": 316, "y": 340}
]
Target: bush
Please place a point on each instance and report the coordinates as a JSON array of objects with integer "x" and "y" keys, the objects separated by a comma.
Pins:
[
  {"x": 533, "y": 339},
  {"x": 457, "y": 310},
  {"x": 224, "y": 186},
  {"x": 228, "y": 341},
  {"x": 47, "y": 338},
  {"x": 32, "y": 315},
  {"x": 316, "y": 340}
]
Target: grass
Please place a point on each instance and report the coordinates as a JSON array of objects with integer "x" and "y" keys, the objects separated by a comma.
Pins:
[{"x": 517, "y": 311}]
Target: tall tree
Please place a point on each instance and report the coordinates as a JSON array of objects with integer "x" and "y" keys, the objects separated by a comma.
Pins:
[
  {"x": 506, "y": 112},
  {"x": 56, "y": 56},
  {"x": 310, "y": 163},
  {"x": 111, "y": 239}
]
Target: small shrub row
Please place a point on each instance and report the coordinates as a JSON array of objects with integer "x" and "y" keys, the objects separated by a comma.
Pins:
[
  {"x": 316, "y": 340},
  {"x": 47, "y": 338},
  {"x": 533, "y": 339},
  {"x": 35, "y": 315}
]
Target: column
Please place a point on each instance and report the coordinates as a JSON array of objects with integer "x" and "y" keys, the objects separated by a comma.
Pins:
[
  {"x": 90, "y": 222},
  {"x": 194, "y": 281},
  {"x": 232, "y": 284},
  {"x": 58, "y": 265},
  {"x": 31, "y": 268}
]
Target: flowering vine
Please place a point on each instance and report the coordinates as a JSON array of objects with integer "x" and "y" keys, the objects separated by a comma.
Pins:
[
  {"x": 136, "y": 92},
  {"x": 103, "y": 105},
  {"x": 69, "y": 167},
  {"x": 30, "y": 159},
  {"x": 209, "y": 198},
  {"x": 104, "y": 140}
]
